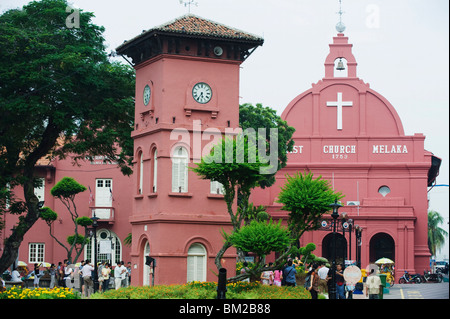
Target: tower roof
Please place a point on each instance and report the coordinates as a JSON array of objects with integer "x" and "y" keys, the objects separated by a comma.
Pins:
[{"x": 195, "y": 26}]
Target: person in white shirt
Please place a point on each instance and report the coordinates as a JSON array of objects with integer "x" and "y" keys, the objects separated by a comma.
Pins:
[
  {"x": 15, "y": 276},
  {"x": 373, "y": 283},
  {"x": 119, "y": 274},
  {"x": 323, "y": 272},
  {"x": 68, "y": 275},
  {"x": 86, "y": 273}
]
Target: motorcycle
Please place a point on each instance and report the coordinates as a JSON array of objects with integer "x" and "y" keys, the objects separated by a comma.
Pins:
[
  {"x": 429, "y": 277},
  {"x": 407, "y": 278}
]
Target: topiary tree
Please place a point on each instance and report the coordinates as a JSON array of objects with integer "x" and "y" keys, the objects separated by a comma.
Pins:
[
  {"x": 306, "y": 199},
  {"x": 261, "y": 238},
  {"x": 66, "y": 190}
]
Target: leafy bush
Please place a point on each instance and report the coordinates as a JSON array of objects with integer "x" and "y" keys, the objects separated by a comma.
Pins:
[
  {"x": 260, "y": 237},
  {"x": 206, "y": 290}
]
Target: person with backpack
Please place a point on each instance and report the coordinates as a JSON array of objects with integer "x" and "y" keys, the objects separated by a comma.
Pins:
[{"x": 312, "y": 282}]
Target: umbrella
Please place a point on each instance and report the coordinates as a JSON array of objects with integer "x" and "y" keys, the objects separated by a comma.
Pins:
[
  {"x": 22, "y": 263},
  {"x": 384, "y": 261},
  {"x": 45, "y": 264}
]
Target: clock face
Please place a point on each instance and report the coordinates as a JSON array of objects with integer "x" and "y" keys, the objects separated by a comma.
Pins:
[
  {"x": 202, "y": 93},
  {"x": 147, "y": 93}
]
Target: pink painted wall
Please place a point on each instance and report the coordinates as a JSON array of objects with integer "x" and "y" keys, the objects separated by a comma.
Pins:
[
  {"x": 85, "y": 174},
  {"x": 169, "y": 221},
  {"x": 369, "y": 151}
]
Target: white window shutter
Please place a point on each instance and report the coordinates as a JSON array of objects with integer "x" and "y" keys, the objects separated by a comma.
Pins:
[
  {"x": 141, "y": 173},
  {"x": 216, "y": 187},
  {"x": 183, "y": 175},
  {"x": 190, "y": 268},
  {"x": 40, "y": 191},
  {"x": 155, "y": 171},
  {"x": 180, "y": 171},
  {"x": 175, "y": 175}
]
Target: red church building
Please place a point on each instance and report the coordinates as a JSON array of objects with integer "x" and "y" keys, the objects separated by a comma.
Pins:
[
  {"x": 187, "y": 94},
  {"x": 352, "y": 136}
]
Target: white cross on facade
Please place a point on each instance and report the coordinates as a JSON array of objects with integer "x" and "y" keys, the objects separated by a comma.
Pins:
[{"x": 339, "y": 105}]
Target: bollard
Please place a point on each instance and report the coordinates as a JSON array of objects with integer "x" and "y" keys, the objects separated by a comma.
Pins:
[
  {"x": 383, "y": 284},
  {"x": 222, "y": 284}
]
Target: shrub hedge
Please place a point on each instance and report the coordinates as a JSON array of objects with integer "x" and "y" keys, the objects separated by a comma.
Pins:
[{"x": 206, "y": 290}]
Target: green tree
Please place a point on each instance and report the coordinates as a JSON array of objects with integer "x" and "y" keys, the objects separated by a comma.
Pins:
[
  {"x": 306, "y": 199},
  {"x": 260, "y": 237},
  {"x": 237, "y": 177},
  {"x": 436, "y": 235},
  {"x": 66, "y": 190},
  {"x": 59, "y": 96},
  {"x": 258, "y": 116}
]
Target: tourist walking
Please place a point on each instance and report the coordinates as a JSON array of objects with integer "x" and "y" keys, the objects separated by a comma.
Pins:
[
  {"x": 53, "y": 273},
  {"x": 373, "y": 283},
  {"x": 277, "y": 277},
  {"x": 128, "y": 274},
  {"x": 340, "y": 282},
  {"x": 86, "y": 273},
  {"x": 119, "y": 273},
  {"x": 313, "y": 284},
  {"x": 267, "y": 276},
  {"x": 37, "y": 275},
  {"x": 68, "y": 275},
  {"x": 106, "y": 272}
]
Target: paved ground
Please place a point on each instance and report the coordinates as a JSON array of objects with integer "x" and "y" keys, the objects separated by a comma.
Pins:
[{"x": 419, "y": 291}]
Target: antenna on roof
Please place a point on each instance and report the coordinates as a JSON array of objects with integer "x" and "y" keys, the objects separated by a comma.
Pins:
[
  {"x": 188, "y": 3},
  {"x": 340, "y": 27}
]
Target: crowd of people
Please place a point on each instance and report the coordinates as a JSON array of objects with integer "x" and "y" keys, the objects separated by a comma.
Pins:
[
  {"x": 315, "y": 274},
  {"x": 79, "y": 276}
]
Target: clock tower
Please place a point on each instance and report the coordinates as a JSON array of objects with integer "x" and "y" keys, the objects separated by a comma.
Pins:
[{"x": 187, "y": 93}]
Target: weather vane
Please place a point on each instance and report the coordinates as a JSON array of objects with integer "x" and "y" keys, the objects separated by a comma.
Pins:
[
  {"x": 188, "y": 3},
  {"x": 340, "y": 27}
]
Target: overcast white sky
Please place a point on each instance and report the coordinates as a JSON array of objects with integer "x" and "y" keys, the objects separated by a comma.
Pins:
[{"x": 401, "y": 46}]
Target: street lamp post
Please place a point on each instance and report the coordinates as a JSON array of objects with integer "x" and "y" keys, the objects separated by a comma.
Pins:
[
  {"x": 334, "y": 215},
  {"x": 95, "y": 274},
  {"x": 358, "y": 232}
]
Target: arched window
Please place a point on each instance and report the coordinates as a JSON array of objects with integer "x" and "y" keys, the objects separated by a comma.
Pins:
[
  {"x": 384, "y": 190},
  {"x": 109, "y": 247},
  {"x": 155, "y": 171},
  {"x": 196, "y": 263},
  {"x": 180, "y": 170},
  {"x": 146, "y": 268}
]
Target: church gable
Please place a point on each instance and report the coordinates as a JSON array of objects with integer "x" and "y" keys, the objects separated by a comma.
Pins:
[{"x": 342, "y": 105}]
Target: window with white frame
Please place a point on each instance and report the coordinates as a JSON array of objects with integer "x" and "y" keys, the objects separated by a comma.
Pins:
[
  {"x": 40, "y": 191},
  {"x": 216, "y": 188},
  {"x": 180, "y": 170},
  {"x": 36, "y": 252},
  {"x": 141, "y": 173},
  {"x": 109, "y": 247},
  {"x": 155, "y": 171},
  {"x": 196, "y": 263}
]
